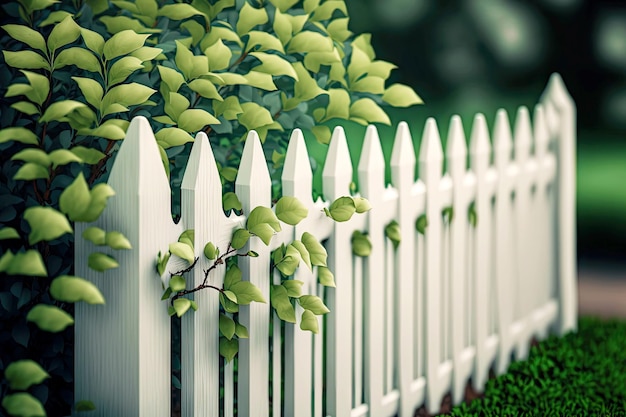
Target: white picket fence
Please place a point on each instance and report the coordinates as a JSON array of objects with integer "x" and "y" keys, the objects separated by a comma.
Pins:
[{"x": 406, "y": 326}]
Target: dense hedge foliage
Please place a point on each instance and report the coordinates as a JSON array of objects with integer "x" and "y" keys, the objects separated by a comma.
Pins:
[{"x": 80, "y": 70}]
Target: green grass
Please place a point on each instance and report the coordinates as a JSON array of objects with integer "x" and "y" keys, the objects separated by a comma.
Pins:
[{"x": 581, "y": 374}]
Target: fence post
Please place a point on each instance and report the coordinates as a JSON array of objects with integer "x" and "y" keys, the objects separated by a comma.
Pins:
[
  {"x": 561, "y": 117},
  {"x": 122, "y": 349},
  {"x": 337, "y": 176},
  {"x": 253, "y": 187}
]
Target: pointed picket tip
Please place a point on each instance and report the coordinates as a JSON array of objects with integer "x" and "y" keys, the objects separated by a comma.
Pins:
[
  {"x": 297, "y": 175},
  {"x": 403, "y": 153},
  {"x": 430, "y": 148},
  {"x": 523, "y": 132},
  {"x": 557, "y": 92},
  {"x": 372, "y": 159},
  {"x": 502, "y": 136},
  {"x": 201, "y": 163},
  {"x": 139, "y": 160},
  {"x": 338, "y": 161},
  {"x": 479, "y": 139},
  {"x": 540, "y": 131},
  {"x": 253, "y": 168},
  {"x": 456, "y": 148}
]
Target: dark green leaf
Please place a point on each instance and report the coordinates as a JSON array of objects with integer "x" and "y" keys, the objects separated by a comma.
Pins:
[
  {"x": 421, "y": 223},
  {"x": 392, "y": 231}
]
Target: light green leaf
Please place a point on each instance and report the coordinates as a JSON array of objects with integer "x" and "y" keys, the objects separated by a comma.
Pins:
[
  {"x": 67, "y": 31},
  {"x": 219, "y": 56},
  {"x": 49, "y": 318},
  {"x": 126, "y": 95},
  {"x": 392, "y": 231},
  {"x": 304, "y": 253},
  {"x": 40, "y": 85},
  {"x": 313, "y": 61},
  {"x": 172, "y": 136},
  {"x": 118, "y": 24},
  {"x": 263, "y": 231},
  {"x": 162, "y": 262},
  {"x": 193, "y": 120},
  {"x": 231, "y": 201},
  {"x": 87, "y": 155},
  {"x": 421, "y": 224},
  {"x": 254, "y": 116},
  {"x": 33, "y": 155},
  {"x": 84, "y": 406},
  {"x": 233, "y": 276},
  {"x": 399, "y": 95},
  {"x": 99, "y": 194},
  {"x": 326, "y": 10},
  {"x": 241, "y": 331},
  {"x": 179, "y": 11},
  {"x": 23, "y": 404},
  {"x": 176, "y": 105},
  {"x": 108, "y": 130},
  {"x": 7, "y": 233},
  {"x": 290, "y": 210},
  {"x": 53, "y": 18},
  {"x": 264, "y": 41},
  {"x": 367, "y": 109},
  {"x": 281, "y": 303},
  {"x": 26, "y": 60},
  {"x": 368, "y": 84},
  {"x": 195, "y": 29},
  {"x": 146, "y": 53},
  {"x": 260, "y": 215},
  {"x": 314, "y": 304},
  {"x": 229, "y": 108},
  {"x": 308, "y": 321},
  {"x": 122, "y": 68},
  {"x": 210, "y": 251},
  {"x": 123, "y": 43},
  {"x": 342, "y": 209},
  {"x": 78, "y": 56},
  {"x": 63, "y": 157},
  {"x": 227, "y": 326},
  {"x": 282, "y": 26},
  {"x": 24, "y": 373},
  {"x": 309, "y": 41},
  {"x": 283, "y": 5},
  {"x": 72, "y": 289},
  {"x": 100, "y": 262},
  {"x": 274, "y": 65},
  {"x": 91, "y": 89},
  {"x": 177, "y": 283},
  {"x": 192, "y": 66},
  {"x": 246, "y": 293},
  {"x": 205, "y": 88},
  {"x": 31, "y": 171},
  {"x": 172, "y": 78},
  {"x": 361, "y": 244},
  {"x": 240, "y": 238},
  {"x": 325, "y": 277},
  {"x": 364, "y": 43},
  {"x": 23, "y": 263},
  {"x": 322, "y": 134},
  {"x": 95, "y": 235},
  {"x": 182, "y": 251},
  {"x": 226, "y": 78},
  {"x": 58, "y": 110},
  {"x": 93, "y": 40},
  {"x": 249, "y": 17},
  {"x": 26, "y": 107},
  {"x": 361, "y": 204},
  {"x": 471, "y": 215},
  {"x": 46, "y": 224},
  {"x": 220, "y": 32},
  {"x": 261, "y": 80},
  {"x": 338, "y": 29},
  {"x": 26, "y": 35},
  {"x": 316, "y": 250},
  {"x": 75, "y": 199},
  {"x": 116, "y": 240},
  {"x": 181, "y": 305},
  {"x": 229, "y": 348},
  {"x": 306, "y": 87},
  {"x": 293, "y": 287},
  {"x": 338, "y": 104}
]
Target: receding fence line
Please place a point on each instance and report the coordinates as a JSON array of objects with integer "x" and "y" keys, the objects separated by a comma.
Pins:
[{"x": 406, "y": 325}]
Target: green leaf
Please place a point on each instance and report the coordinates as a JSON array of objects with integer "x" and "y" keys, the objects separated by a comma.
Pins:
[
  {"x": 93, "y": 40},
  {"x": 227, "y": 326},
  {"x": 99, "y": 195},
  {"x": 172, "y": 78},
  {"x": 421, "y": 223},
  {"x": 7, "y": 233},
  {"x": 179, "y": 11},
  {"x": 162, "y": 262},
  {"x": 254, "y": 116},
  {"x": 282, "y": 26},
  {"x": 392, "y": 231},
  {"x": 181, "y": 305},
  {"x": 241, "y": 331},
  {"x": 210, "y": 251},
  {"x": 26, "y": 107},
  {"x": 167, "y": 294},
  {"x": 46, "y": 224},
  {"x": 231, "y": 201},
  {"x": 187, "y": 237},
  {"x": 23, "y": 263},
  {"x": 176, "y": 104},
  {"x": 338, "y": 29},
  {"x": 123, "y": 43},
  {"x": 58, "y": 110},
  {"x": 281, "y": 303},
  {"x": 109, "y": 130},
  {"x": 219, "y": 56},
  {"x": 274, "y": 65},
  {"x": 117, "y": 24},
  {"x": 293, "y": 287},
  {"x": 23, "y": 404},
  {"x": 326, "y": 277},
  {"x": 288, "y": 264},
  {"x": 265, "y": 42},
  {"x": 316, "y": 250},
  {"x": 91, "y": 89},
  {"x": 26, "y": 60},
  {"x": 193, "y": 120},
  {"x": 100, "y": 262},
  {"x": 125, "y": 95},
  {"x": 263, "y": 231},
  {"x": 399, "y": 95},
  {"x": 233, "y": 276},
  {"x": 261, "y": 80},
  {"x": 63, "y": 157},
  {"x": 367, "y": 109},
  {"x": 308, "y": 321},
  {"x": 146, "y": 53},
  {"x": 471, "y": 215},
  {"x": 361, "y": 204},
  {"x": 229, "y": 108},
  {"x": 75, "y": 199},
  {"x": 67, "y": 31},
  {"x": 192, "y": 66},
  {"x": 260, "y": 215},
  {"x": 24, "y": 373},
  {"x": 368, "y": 84},
  {"x": 309, "y": 41},
  {"x": 72, "y": 289},
  {"x": 314, "y": 304},
  {"x": 26, "y": 35},
  {"x": 95, "y": 235},
  {"x": 183, "y": 251},
  {"x": 40, "y": 85},
  {"x": 116, "y": 240},
  {"x": 84, "y": 406},
  {"x": 325, "y": 10},
  {"x": 229, "y": 348},
  {"x": 338, "y": 104},
  {"x": 290, "y": 210},
  {"x": 78, "y": 56},
  {"x": 447, "y": 214},
  {"x": 304, "y": 253},
  {"x": 53, "y": 18},
  {"x": 231, "y": 296},
  {"x": 342, "y": 209},
  {"x": 306, "y": 87},
  {"x": 122, "y": 68},
  {"x": 172, "y": 136},
  {"x": 247, "y": 292},
  {"x": 249, "y": 17},
  {"x": 31, "y": 171},
  {"x": 361, "y": 244},
  {"x": 240, "y": 238},
  {"x": 178, "y": 283},
  {"x": 205, "y": 88},
  {"x": 49, "y": 318}
]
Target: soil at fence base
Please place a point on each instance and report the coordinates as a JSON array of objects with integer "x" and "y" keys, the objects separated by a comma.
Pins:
[{"x": 470, "y": 395}]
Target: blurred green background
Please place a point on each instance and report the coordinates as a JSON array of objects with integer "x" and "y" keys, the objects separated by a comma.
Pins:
[{"x": 469, "y": 56}]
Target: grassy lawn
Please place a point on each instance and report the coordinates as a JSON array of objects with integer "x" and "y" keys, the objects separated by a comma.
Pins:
[{"x": 581, "y": 374}]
